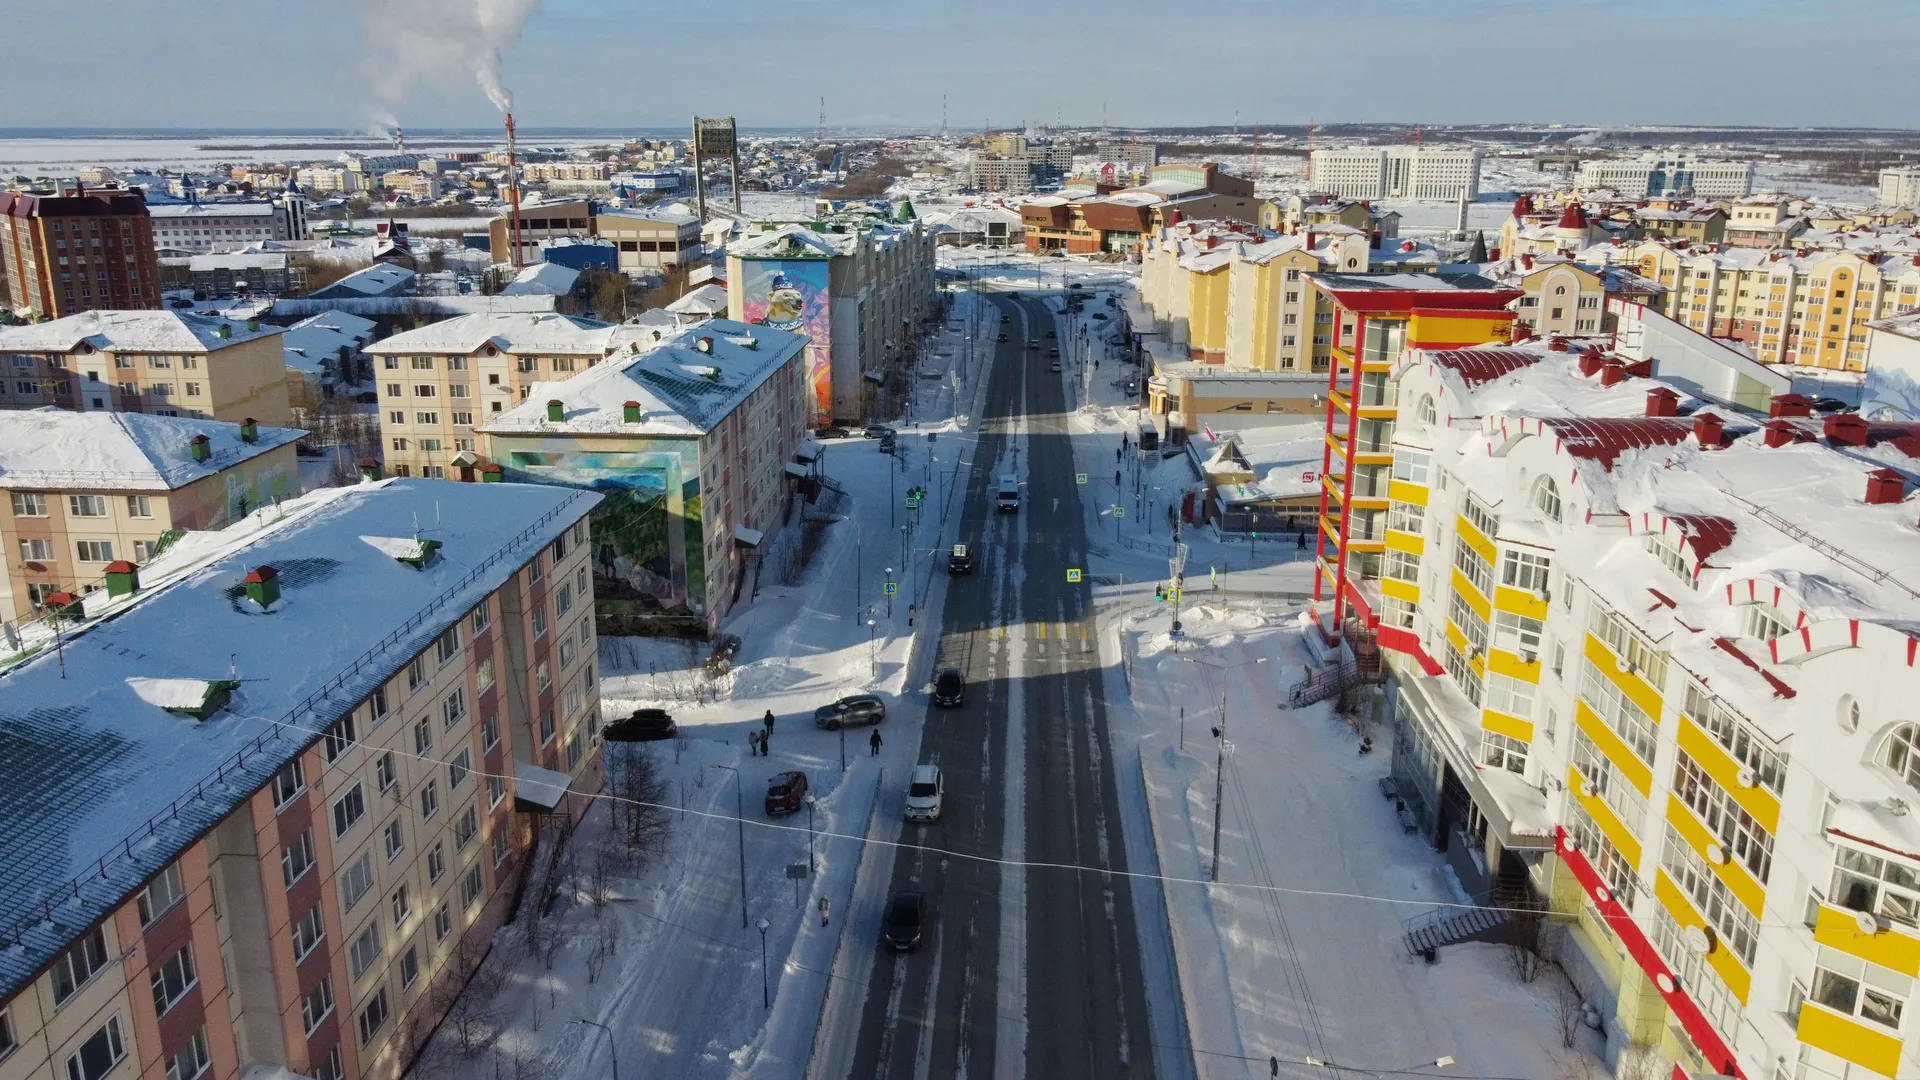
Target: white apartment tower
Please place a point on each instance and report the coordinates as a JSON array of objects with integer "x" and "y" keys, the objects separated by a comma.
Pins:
[
  {"x": 1658, "y": 174},
  {"x": 1900, "y": 186},
  {"x": 1398, "y": 172}
]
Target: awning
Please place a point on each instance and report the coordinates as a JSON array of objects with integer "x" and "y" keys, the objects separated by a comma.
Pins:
[
  {"x": 744, "y": 535},
  {"x": 537, "y": 790},
  {"x": 807, "y": 451},
  {"x": 794, "y": 468}
]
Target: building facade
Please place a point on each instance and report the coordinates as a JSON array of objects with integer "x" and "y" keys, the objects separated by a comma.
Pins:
[
  {"x": 318, "y": 907},
  {"x": 198, "y": 228},
  {"x": 1900, "y": 186},
  {"x": 1397, "y": 172},
  {"x": 76, "y": 251},
  {"x": 650, "y": 241},
  {"x": 1653, "y": 175},
  {"x": 539, "y": 223},
  {"x": 169, "y": 363}
]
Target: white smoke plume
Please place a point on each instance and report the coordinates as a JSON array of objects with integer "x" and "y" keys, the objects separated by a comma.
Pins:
[{"x": 426, "y": 41}]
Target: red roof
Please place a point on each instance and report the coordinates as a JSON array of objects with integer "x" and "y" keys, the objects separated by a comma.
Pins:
[
  {"x": 1704, "y": 533},
  {"x": 1574, "y": 218},
  {"x": 1903, "y": 434},
  {"x": 1476, "y": 366},
  {"x": 1604, "y": 439}
]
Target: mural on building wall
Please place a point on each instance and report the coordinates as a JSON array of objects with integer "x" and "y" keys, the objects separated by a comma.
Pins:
[
  {"x": 1890, "y": 394},
  {"x": 792, "y": 294},
  {"x": 217, "y": 501},
  {"x": 649, "y": 561}
]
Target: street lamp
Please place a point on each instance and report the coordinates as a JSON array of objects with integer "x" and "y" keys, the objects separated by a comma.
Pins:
[
  {"x": 873, "y": 649},
  {"x": 766, "y": 994},
  {"x": 1220, "y": 761},
  {"x": 889, "y": 592},
  {"x": 740, "y": 819},
  {"x": 811, "y": 869},
  {"x": 613, "y": 1047}
]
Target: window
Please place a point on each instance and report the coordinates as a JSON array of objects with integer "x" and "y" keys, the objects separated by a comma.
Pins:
[
  {"x": 1621, "y": 797},
  {"x": 499, "y": 847},
  {"x": 1743, "y": 838},
  {"x": 191, "y": 1060},
  {"x": 422, "y": 736},
  {"x": 429, "y": 801},
  {"x": 9, "y": 1042},
  {"x": 1480, "y": 516},
  {"x": 318, "y": 1005},
  {"x": 478, "y": 622},
  {"x": 546, "y": 728},
  {"x": 1641, "y": 658},
  {"x": 1671, "y": 558},
  {"x": 453, "y": 708},
  {"x": 72, "y": 969},
  {"x": 1498, "y": 751},
  {"x": 539, "y": 622},
  {"x": 172, "y": 979},
  {"x": 1606, "y": 859},
  {"x": 94, "y": 551},
  {"x": 459, "y": 767},
  {"x": 465, "y": 828},
  {"x": 29, "y": 504},
  {"x": 307, "y": 932},
  {"x": 397, "y": 417},
  {"x": 566, "y": 656},
  {"x": 436, "y": 862},
  {"x": 473, "y": 887},
  {"x": 1854, "y": 987},
  {"x": 297, "y": 858},
  {"x": 340, "y": 735},
  {"x": 1737, "y": 928},
  {"x": 376, "y": 707},
  {"x": 543, "y": 675},
  {"x": 1764, "y": 621},
  {"x": 562, "y": 601},
  {"x": 416, "y": 672},
  {"x": 99, "y": 1054},
  {"x": 442, "y": 923},
  {"x": 489, "y": 732},
  {"x": 160, "y": 895},
  {"x": 348, "y": 809},
  {"x": 1526, "y": 571},
  {"x": 1619, "y": 712},
  {"x": 356, "y": 880},
  {"x": 365, "y": 951},
  {"x": 536, "y": 568},
  {"x": 420, "y": 363},
  {"x": 483, "y": 674},
  {"x": 1468, "y": 561},
  {"x": 573, "y": 751},
  {"x": 395, "y": 839},
  {"x": 87, "y": 505},
  {"x": 1863, "y": 882},
  {"x": 409, "y": 967},
  {"x": 1457, "y": 666},
  {"x": 425, "y": 390},
  {"x": 1517, "y": 634},
  {"x": 139, "y": 506},
  {"x": 384, "y": 773},
  {"x": 1509, "y": 695},
  {"x": 1406, "y": 517},
  {"x": 447, "y": 645},
  {"x": 1468, "y": 620}
]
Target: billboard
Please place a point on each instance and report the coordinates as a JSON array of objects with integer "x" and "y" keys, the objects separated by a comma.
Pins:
[
  {"x": 714, "y": 136},
  {"x": 792, "y": 294}
]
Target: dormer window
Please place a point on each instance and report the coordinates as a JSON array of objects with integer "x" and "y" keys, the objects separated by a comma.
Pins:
[
  {"x": 1764, "y": 621},
  {"x": 1671, "y": 558}
]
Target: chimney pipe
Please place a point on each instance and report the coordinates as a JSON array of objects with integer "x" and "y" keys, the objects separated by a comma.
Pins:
[
  {"x": 1662, "y": 401},
  {"x": 263, "y": 586},
  {"x": 369, "y": 469},
  {"x": 1789, "y": 405},
  {"x": 1846, "y": 428},
  {"x": 200, "y": 448},
  {"x": 1613, "y": 373},
  {"x": 513, "y": 181},
  {"x": 123, "y": 578},
  {"x": 1590, "y": 362},
  {"x": 249, "y": 430},
  {"x": 556, "y": 412},
  {"x": 1557, "y": 343},
  {"x": 630, "y": 412},
  {"x": 490, "y": 473},
  {"x": 1885, "y": 486},
  {"x": 1779, "y": 433},
  {"x": 1708, "y": 430}
]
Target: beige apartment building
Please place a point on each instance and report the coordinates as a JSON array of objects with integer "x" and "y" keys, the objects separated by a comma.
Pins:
[
  {"x": 651, "y": 239},
  {"x": 168, "y": 363},
  {"x": 88, "y": 490},
  {"x": 290, "y": 858},
  {"x": 539, "y": 222}
]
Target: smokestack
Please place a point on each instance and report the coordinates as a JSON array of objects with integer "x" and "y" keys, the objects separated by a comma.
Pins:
[{"x": 513, "y": 179}]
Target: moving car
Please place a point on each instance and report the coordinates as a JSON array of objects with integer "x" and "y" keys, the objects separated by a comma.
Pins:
[
  {"x": 1100, "y": 315},
  {"x": 1002, "y": 337},
  {"x": 1006, "y": 318},
  {"x": 1009, "y": 494},
  {"x": 924, "y": 791},
  {"x": 906, "y": 916},
  {"x": 1053, "y": 352},
  {"x": 1055, "y": 366},
  {"x": 786, "y": 792},
  {"x": 855, "y": 711},
  {"x": 878, "y": 431},
  {"x": 642, "y": 725},
  {"x": 949, "y": 687},
  {"x": 1052, "y": 334},
  {"x": 1033, "y": 344},
  {"x": 960, "y": 560}
]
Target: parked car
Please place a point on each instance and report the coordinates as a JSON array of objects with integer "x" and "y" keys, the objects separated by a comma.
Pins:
[
  {"x": 949, "y": 687},
  {"x": 1034, "y": 344},
  {"x": 1053, "y": 353},
  {"x": 960, "y": 560},
  {"x": 786, "y": 792},
  {"x": 642, "y": 725},
  {"x": 1100, "y": 315},
  {"x": 1075, "y": 285},
  {"x": 832, "y": 431},
  {"x": 906, "y": 917},
  {"x": 1829, "y": 405},
  {"x": 1006, "y": 318},
  {"x": 925, "y": 789},
  {"x": 856, "y": 711},
  {"x": 877, "y": 431}
]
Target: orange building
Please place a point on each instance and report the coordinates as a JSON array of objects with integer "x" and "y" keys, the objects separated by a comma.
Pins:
[
  {"x": 1087, "y": 221},
  {"x": 79, "y": 250}
]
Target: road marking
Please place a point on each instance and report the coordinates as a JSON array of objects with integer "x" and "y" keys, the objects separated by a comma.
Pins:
[{"x": 1043, "y": 631}]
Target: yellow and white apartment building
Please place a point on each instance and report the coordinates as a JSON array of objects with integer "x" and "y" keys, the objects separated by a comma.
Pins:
[
  {"x": 1654, "y": 661},
  {"x": 169, "y": 363}
]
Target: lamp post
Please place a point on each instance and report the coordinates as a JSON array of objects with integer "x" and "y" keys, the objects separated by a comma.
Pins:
[
  {"x": 612, "y": 1046},
  {"x": 1220, "y": 760},
  {"x": 889, "y": 592},
  {"x": 766, "y": 994},
  {"x": 873, "y": 650},
  {"x": 811, "y": 869},
  {"x": 739, "y": 819}
]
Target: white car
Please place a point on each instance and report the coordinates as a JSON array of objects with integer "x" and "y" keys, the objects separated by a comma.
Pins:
[{"x": 925, "y": 789}]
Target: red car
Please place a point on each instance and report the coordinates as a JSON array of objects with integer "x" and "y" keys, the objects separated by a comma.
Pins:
[{"x": 786, "y": 793}]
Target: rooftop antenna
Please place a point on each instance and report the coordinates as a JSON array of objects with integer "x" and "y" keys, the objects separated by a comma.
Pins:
[
  {"x": 1256, "y": 157},
  {"x": 416, "y": 524}
]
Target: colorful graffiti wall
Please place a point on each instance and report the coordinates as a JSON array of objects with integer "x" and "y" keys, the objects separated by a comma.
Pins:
[
  {"x": 649, "y": 561},
  {"x": 792, "y": 294}
]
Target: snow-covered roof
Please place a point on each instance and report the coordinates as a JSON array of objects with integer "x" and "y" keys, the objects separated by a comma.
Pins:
[
  {"x": 660, "y": 214},
  {"x": 164, "y": 211},
  {"x": 543, "y": 279},
  {"x": 239, "y": 260},
  {"x": 680, "y": 388},
  {"x": 317, "y": 338},
  {"x": 381, "y": 279},
  {"x": 708, "y": 299},
  {"x": 101, "y": 789},
  {"x": 59, "y": 450},
  {"x": 538, "y": 334},
  {"x": 1284, "y": 458},
  {"x": 791, "y": 241},
  {"x": 131, "y": 331}
]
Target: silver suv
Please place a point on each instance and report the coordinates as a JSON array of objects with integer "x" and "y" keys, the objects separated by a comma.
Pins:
[{"x": 856, "y": 711}]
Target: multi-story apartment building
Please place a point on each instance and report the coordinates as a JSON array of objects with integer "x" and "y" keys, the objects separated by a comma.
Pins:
[
  {"x": 1569, "y": 298},
  {"x": 1007, "y": 175},
  {"x": 1397, "y": 172},
  {"x": 1649, "y": 662},
  {"x": 1652, "y": 175},
  {"x": 651, "y": 240},
  {"x": 231, "y": 852},
  {"x": 324, "y": 179},
  {"x": 169, "y": 363},
  {"x": 541, "y": 172},
  {"x": 87, "y": 490},
  {"x": 196, "y": 228},
  {"x": 1764, "y": 221},
  {"x": 539, "y": 223},
  {"x": 1682, "y": 222},
  {"x": 1900, "y": 186},
  {"x": 699, "y": 430},
  {"x": 80, "y": 250}
]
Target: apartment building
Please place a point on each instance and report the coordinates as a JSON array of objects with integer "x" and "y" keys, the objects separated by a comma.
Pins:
[
  {"x": 88, "y": 490},
  {"x": 1569, "y": 298},
  {"x": 1649, "y": 665},
  {"x": 1900, "y": 186},
  {"x": 168, "y": 363},
  {"x": 1765, "y": 221},
  {"x": 1087, "y": 220},
  {"x": 78, "y": 250},
  {"x": 1682, "y": 222},
  {"x": 198, "y": 228},
  {"x": 1397, "y": 172},
  {"x": 1652, "y": 175},
  {"x": 290, "y": 858},
  {"x": 649, "y": 241},
  {"x": 710, "y": 418}
]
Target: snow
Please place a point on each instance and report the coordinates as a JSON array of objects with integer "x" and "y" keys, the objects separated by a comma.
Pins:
[
  {"x": 54, "y": 449},
  {"x": 515, "y": 333},
  {"x": 170, "y": 693},
  {"x": 543, "y": 279},
  {"x": 131, "y": 331}
]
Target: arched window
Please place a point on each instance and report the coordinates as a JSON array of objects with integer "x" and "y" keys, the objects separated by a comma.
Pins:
[
  {"x": 1901, "y": 753},
  {"x": 1546, "y": 498},
  {"x": 1428, "y": 414},
  {"x": 1559, "y": 290}
]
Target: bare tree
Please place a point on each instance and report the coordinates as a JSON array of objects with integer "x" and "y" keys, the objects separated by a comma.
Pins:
[
  {"x": 640, "y": 805},
  {"x": 1526, "y": 943},
  {"x": 599, "y": 880},
  {"x": 1568, "y": 1017}
]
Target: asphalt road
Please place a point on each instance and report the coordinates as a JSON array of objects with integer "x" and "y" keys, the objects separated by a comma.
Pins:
[{"x": 947, "y": 1008}]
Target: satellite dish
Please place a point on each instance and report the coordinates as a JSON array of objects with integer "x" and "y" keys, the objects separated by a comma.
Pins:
[
  {"x": 1747, "y": 776},
  {"x": 1716, "y": 854},
  {"x": 1699, "y": 940},
  {"x": 1867, "y": 922}
]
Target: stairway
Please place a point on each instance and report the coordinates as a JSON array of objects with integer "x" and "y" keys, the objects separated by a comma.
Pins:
[
  {"x": 1426, "y": 934},
  {"x": 1364, "y": 666}
]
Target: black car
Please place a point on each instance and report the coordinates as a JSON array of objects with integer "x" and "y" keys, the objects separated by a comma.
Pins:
[
  {"x": 786, "y": 793},
  {"x": 887, "y": 443},
  {"x": 949, "y": 688},
  {"x": 1006, "y": 318},
  {"x": 1051, "y": 334},
  {"x": 1101, "y": 315},
  {"x": 960, "y": 560},
  {"x": 1053, "y": 354},
  {"x": 1829, "y": 405},
  {"x": 907, "y": 916},
  {"x": 642, "y": 725},
  {"x": 856, "y": 711},
  {"x": 1002, "y": 337}
]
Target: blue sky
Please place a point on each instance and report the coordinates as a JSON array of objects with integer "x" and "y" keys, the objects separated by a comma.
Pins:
[{"x": 644, "y": 64}]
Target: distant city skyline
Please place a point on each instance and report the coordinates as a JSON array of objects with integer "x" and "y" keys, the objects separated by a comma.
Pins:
[{"x": 602, "y": 64}]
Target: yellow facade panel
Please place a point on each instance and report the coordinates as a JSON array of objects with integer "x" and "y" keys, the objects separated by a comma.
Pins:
[
  {"x": 1405, "y": 591},
  {"x": 1731, "y": 970},
  {"x": 1411, "y": 543},
  {"x": 1520, "y": 602},
  {"x": 1511, "y": 726},
  {"x": 1756, "y": 800},
  {"x": 1476, "y": 539},
  {"x": 1603, "y": 816},
  {"x": 1638, "y": 690},
  {"x": 1407, "y": 491},
  {"x": 1848, "y": 1038},
  {"x": 1744, "y": 885},
  {"x": 1837, "y": 928},
  {"x": 1458, "y": 639},
  {"x": 1502, "y": 662},
  {"x": 1637, "y": 774},
  {"x": 1453, "y": 329}
]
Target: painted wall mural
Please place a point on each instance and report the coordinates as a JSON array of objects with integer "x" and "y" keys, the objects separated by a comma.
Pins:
[
  {"x": 649, "y": 560},
  {"x": 792, "y": 294}
]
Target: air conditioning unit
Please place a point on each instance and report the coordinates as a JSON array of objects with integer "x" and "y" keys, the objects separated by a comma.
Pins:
[
  {"x": 1528, "y": 656},
  {"x": 1545, "y": 594}
]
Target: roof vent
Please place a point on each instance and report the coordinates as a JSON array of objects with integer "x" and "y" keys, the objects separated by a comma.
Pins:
[
  {"x": 630, "y": 412},
  {"x": 1613, "y": 373},
  {"x": 1885, "y": 486},
  {"x": 224, "y": 332},
  {"x": 198, "y": 698},
  {"x": 490, "y": 473},
  {"x": 556, "y": 412},
  {"x": 369, "y": 469},
  {"x": 1662, "y": 401},
  {"x": 200, "y": 447},
  {"x": 263, "y": 586},
  {"x": 250, "y": 430},
  {"x": 1789, "y": 405},
  {"x": 123, "y": 578},
  {"x": 1708, "y": 430},
  {"x": 1846, "y": 428},
  {"x": 1590, "y": 362},
  {"x": 1779, "y": 432},
  {"x": 412, "y": 550},
  {"x": 1557, "y": 344},
  {"x": 704, "y": 344}
]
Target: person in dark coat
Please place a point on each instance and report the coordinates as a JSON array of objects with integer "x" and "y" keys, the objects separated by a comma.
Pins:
[{"x": 874, "y": 741}]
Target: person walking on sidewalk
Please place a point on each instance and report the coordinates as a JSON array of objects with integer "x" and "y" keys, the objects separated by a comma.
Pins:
[
  {"x": 874, "y": 741},
  {"x": 753, "y": 743},
  {"x": 767, "y": 721}
]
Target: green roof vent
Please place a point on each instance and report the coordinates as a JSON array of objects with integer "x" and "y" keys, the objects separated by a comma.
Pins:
[
  {"x": 263, "y": 586},
  {"x": 556, "y": 412}
]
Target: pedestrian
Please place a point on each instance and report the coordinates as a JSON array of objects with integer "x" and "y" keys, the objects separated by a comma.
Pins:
[
  {"x": 1119, "y": 451},
  {"x": 1302, "y": 545},
  {"x": 767, "y": 721},
  {"x": 1116, "y": 478},
  {"x": 753, "y": 744},
  {"x": 874, "y": 741},
  {"x": 825, "y": 906},
  {"x": 766, "y": 739}
]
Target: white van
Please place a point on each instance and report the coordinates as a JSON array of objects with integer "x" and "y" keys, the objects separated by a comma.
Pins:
[
  {"x": 1009, "y": 498},
  {"x": 924, "y": 791}
]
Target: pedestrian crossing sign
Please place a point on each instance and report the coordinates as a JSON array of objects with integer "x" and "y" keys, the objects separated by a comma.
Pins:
[
  {"x": 1119, "y": 511},
  {"x": 1079, "y": 478},
  {"x": 1073, "y": 575},
  {"x": 892, "y": 588}
]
